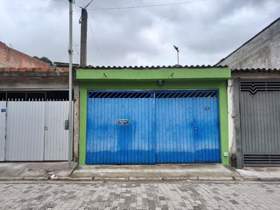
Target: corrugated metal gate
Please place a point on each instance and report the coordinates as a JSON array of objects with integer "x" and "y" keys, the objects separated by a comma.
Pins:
[
  {"x": 260, "y": 122},
  {"x": 33, "y": 130},
  {"x": 149, "y": 127}
]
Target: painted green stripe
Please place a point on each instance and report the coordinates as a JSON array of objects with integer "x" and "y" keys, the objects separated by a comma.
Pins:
[
  {"x": 83, "y": 124},
  {"x": 164, "y": 74},
  {"x": 224, "y": 123}
]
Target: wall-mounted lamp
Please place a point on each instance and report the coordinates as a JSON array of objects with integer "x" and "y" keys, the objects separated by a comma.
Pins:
[{"x": 160, "y": 82}]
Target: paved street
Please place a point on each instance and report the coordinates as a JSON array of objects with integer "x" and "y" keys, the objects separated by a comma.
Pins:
[{"x": 129, "y": 195}]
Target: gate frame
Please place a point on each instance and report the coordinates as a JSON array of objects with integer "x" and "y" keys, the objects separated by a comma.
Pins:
[
  {"x": 207, "y": 78},
  {"x": 237, "y": 77}
]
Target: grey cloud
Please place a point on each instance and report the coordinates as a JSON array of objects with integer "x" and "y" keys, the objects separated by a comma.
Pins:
[{"x": 205, "y": 30}]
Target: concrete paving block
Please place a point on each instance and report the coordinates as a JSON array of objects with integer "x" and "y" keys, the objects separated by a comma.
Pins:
[{"x": 139, "y": 195}]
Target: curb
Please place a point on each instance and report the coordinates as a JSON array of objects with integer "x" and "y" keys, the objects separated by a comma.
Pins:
[
  {"x": 110, "y": 179},
  {"x": 189, "y": 178},
  {"x": 201, "y": 178},
  {"x": 24, "y": 178},
  {"x": 259, "y": 179},
  {"x": 124, "y": 179},
  {"x": 145, "y": 178},
  {"x": 71, "y": 178}
]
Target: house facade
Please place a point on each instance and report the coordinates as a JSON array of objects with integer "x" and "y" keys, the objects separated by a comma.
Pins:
[
  {"x": 254, "y": 99},
  {"x": 34, "y": 107},
  {"x": 153, "y": 115},
  {"x": 147, "y": 115}
]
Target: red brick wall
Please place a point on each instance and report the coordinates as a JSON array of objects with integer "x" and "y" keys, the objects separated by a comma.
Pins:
[{"x": 12, "y": 58}]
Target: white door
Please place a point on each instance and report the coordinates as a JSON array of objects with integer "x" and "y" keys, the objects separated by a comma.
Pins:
[
  {"x": 25, "y": 131},
  {"x": 56, "y": 137}
]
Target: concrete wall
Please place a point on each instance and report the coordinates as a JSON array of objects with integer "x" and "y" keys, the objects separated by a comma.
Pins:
[
  {"x": 263, "y": 51},
  {"x": 38, "y": 84},
  {"x": 231, "y": 141}
]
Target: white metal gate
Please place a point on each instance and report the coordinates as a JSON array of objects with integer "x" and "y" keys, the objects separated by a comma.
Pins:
[
  {"x": 2, "y": 129},
  {"x": 34, "y": 131}
]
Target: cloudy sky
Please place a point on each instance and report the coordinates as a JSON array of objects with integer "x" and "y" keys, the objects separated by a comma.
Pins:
[{"x": 136, "y": 32}]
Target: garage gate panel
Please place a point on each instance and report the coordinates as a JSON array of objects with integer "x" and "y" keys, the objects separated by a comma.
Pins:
[
  {"x": 119, "y": 128},
  {"x": 187, "y": 127},
  {"x": 260, "y": 122},
  {"x": 151, "y": 127}
]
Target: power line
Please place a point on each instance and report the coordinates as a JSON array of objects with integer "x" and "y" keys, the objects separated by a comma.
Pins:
[
  {"x": 144, "y": 6},
  {"x": 89, "y": 3}
]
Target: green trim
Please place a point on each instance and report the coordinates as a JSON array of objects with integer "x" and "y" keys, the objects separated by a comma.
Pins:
[
  {"x": 146, "y": 85},
  {"x": 223, "y": 106},
  {"x": 160, "y": 74},
  {"x": 83, "y": 124}
]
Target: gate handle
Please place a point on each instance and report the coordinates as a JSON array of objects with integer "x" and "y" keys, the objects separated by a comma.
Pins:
[{"x": 122, "y": 121}]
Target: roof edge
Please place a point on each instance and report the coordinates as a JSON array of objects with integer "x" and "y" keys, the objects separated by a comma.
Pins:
[
  {"x": 242, "y": 45},
  {"x": 150, "y": 67}
]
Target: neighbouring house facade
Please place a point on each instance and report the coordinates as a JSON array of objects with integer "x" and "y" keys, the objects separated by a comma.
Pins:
[
  {"x": 254, "y": 91},
  {"x": 33, "y": 109},
  {"x": 12, "y": 58},
  {"x": 153, "y": 115}
]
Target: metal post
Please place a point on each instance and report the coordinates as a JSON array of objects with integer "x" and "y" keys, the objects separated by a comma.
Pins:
[
  {"x": 177, "y": 50},
  {"x": 70, "y": 53}
]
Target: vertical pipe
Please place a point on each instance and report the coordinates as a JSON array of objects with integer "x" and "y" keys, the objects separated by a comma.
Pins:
[{"x": 70, "y": 53}]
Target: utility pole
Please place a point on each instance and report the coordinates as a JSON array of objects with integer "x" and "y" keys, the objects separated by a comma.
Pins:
[
  {"x": 83, "y": 50},
  {"x": 70, "y": 53},
  {"x": 83, "y": 22}
]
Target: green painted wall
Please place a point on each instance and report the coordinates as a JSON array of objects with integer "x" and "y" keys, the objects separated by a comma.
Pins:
[
  {"x": 169, "y": 73},
  {"x": 179, "y": 83}
]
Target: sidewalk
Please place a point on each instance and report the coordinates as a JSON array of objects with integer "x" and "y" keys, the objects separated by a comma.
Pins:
[
  {"x": 35, "y": 170},
  {"x": 211, "y": 172},
  {"x": 40, "y": 171},
  {"x": 260, "y": 173}
]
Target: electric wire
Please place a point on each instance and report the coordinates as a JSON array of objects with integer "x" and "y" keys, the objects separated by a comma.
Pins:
[{"x": 145, "y": 5}]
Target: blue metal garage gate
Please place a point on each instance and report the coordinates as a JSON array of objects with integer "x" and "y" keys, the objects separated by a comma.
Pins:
[{"x": 150, "y": 127}]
